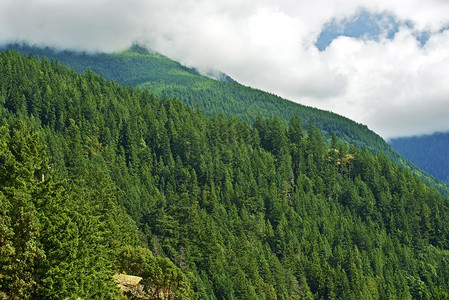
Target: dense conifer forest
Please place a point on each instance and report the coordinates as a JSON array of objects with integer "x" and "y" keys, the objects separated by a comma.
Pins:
[
  {"x": 139, "y": 68},
  {"x": 98, "y": 179}
]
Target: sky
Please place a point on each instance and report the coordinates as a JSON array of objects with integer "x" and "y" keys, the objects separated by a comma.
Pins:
[{"x": 383, "y": 63}]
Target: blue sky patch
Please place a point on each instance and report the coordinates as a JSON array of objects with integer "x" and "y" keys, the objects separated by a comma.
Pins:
[{"x": 364, "y": 25}]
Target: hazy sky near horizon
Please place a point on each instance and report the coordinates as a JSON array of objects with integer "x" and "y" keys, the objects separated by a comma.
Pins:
[{"x": 384, "y": 63}]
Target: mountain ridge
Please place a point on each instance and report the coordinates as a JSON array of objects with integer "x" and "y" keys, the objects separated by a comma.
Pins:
[
  {"x": 429, "y": 152},
  {"x": 141, "y": 68}
]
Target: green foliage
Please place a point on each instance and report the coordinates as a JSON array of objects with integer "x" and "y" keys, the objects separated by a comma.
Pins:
[
  {"x": 165, "y": 78},
  {"x": 46, "y": 238},
  {"x": 108, "y": 179},
  {"x": 20, "y": 247},
  {"x": 161, "y": 278}
]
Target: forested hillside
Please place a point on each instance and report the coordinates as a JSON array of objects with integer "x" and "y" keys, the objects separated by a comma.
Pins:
[
  {"x": 96, "y": 179},
  {"x": 163, "y": 77},
  {"x": 429, "y": 152},
  {"x": 63, "y": 232}
]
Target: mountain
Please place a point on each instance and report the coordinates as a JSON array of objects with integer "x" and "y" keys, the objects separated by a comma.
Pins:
[
  {"x": 140, "y": 68},
  {"x": 98, "y": 179},
  {"x": 63, "y": 231},
  {"x": 429, "y": 152},
  {"x": 137, "y": 67}
]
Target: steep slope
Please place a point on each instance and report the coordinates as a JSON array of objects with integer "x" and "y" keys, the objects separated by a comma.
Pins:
[
  {"x": 63, "y": 233},
  {"x": 269, "y": 211},
  {"x": 137, "y": 67},
  {"x": 429, "y": 152}
]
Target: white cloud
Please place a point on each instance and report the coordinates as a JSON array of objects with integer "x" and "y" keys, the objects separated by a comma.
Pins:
[
  {"x": 395, "y": 86},
  {"x": 98, "y": 25}
]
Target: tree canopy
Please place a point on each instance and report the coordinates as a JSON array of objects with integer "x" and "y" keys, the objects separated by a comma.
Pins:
[{"x": 98, "y": 179}]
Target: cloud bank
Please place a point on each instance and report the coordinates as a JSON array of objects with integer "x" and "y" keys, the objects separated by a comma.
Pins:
[{"x": 391, "y": 82}]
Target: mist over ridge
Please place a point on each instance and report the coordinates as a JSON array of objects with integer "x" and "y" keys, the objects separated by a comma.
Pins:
[{"x": 390, "y": 74}]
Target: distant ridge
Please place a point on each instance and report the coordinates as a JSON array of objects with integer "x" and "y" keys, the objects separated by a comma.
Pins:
[{"x": 429, "y": 152}]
